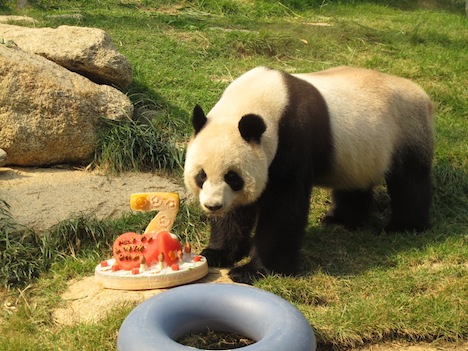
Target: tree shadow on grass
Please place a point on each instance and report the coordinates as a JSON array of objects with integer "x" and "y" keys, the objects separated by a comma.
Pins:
[
  {"x": 452, "y": 6},
  {"x": 146, "y": 99}
]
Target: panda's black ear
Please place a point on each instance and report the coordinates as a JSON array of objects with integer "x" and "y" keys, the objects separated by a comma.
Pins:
[
  {"x": 251, "y": 128},
  {"x": 198, "y": 118}
]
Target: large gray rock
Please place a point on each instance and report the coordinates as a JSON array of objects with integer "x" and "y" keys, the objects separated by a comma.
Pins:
[
  {"x": 49, "y": 115},
  {"x": 88, "y": 51}
]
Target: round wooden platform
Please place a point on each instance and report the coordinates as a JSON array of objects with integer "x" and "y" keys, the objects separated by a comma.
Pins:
[{"x": 153, "y": 278}]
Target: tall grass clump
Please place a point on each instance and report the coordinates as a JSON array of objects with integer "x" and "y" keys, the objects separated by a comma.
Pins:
[
  {"x": 74, "y": 235},
  {"x": 137, "y": 146},
  {"x": 130, "y": 146},
  {"x": 25, "y": 254},
  {"x": 20, "y": 251}
]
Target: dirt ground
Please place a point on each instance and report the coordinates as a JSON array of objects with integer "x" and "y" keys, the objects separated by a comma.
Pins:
[{"x": 40, "y": 198}]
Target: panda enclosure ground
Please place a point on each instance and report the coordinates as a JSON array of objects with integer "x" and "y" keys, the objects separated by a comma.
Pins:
[{"x": 357, "y": 288}]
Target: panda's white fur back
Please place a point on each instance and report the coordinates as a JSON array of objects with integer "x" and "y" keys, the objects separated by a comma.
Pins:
[
  {"x": 365, "y": 108},
  {"x": 369, "y": 115}
]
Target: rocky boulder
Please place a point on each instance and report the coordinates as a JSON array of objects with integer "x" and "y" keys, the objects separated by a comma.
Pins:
[
  {"x": 87, "y": 51},
  {"x": 49, "y": 115},
  {"x": 3, "y": 157}
]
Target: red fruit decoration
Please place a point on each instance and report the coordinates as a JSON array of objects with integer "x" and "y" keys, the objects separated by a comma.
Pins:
[
  {"x": 169, "y": 245},
  {"x": 130, "y": 248}
]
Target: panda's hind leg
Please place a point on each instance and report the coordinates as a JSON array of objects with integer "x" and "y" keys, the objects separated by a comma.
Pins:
[
  {"x": 409, "y": 186},
  {"x": 350, "y": 208}
]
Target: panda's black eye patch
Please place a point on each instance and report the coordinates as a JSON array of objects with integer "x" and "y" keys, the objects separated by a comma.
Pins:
[
  {"x": 200, "y": 178},
  {"x": 234, "y": 180}
]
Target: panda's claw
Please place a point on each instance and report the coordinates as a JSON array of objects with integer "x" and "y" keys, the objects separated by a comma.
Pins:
[
  {"x": 243, "y": 276},
  {"x": 216, "y": 258},
  {"x": 247, "y": 274}
]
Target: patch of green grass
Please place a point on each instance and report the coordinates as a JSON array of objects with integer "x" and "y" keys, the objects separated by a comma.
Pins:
[
  {"x": 26, "y": 322},
  {"x": 355, "y": 287},
  {"x": 20, "y": 255}
]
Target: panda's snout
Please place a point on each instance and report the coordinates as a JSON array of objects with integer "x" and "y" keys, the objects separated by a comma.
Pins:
[
  {"x": 215, "y": 197},
  {"x": 214, "y": 208}
]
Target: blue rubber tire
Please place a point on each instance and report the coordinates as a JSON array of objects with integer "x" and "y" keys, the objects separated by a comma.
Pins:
[{"x": 271, "y": 321}]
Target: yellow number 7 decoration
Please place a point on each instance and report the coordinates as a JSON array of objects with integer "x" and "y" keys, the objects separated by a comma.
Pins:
[{"x": 167, "y": 205}]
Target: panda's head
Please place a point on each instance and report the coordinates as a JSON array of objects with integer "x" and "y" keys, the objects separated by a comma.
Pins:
[{"x": 226, "y": 165}]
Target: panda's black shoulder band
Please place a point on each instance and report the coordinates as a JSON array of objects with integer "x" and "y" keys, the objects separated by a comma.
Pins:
[{"x": 251, "y": 128}]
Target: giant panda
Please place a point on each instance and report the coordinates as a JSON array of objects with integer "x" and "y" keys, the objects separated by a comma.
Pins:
[{"x": 254, "y": 158}]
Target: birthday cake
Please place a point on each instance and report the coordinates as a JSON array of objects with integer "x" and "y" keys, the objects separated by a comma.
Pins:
[{"x": 154, "y": 259}]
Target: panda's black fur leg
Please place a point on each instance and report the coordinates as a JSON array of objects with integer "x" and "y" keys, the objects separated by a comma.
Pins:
[
  {"x": 350, "y": 208},
  {"x": 230, "y": 236},
  {"x": 410, "y": 207},
  {"x": 249, "y": 273},
  {"x": 409, "y": 186},
  {"x": 410, "y": 204},
  {"x": 278, "y": 235}
]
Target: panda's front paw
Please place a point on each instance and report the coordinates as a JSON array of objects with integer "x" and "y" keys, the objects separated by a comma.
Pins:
[
  {"x": 217, "y": 258},
  {"x": 247, "y": 274}
]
